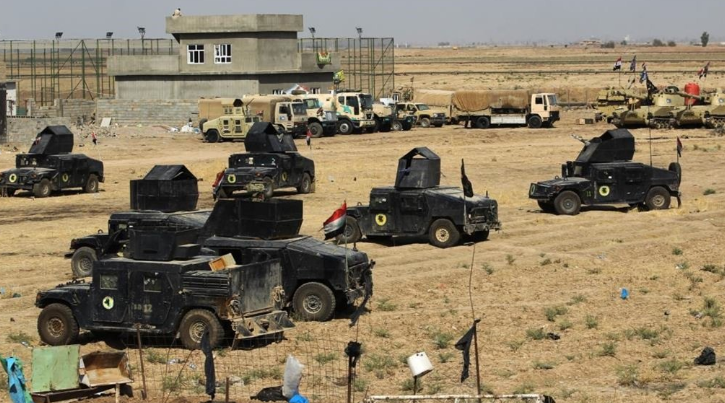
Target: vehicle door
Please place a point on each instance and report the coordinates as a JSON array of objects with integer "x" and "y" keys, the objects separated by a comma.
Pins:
[
  {"x": 539, "y": 105},
  {"x": 151, "y": 297},
  {"x": 413, "y": 213},
  {"x": 225, "y": 125},
  {"x": 109, "y": 296},
  {"x": 286, "y": 171},
  {"x": 606, "y": 188},
  {"x": 284, "y": 115},
  {"x": 238, "y": 127},
  {"x": 80, "y": 172},
  {"x": 382, "y": 213},
  {"x": 353, "y": 103},
  {"x": 632, "y": 184},
  {"x": 65, "y": 173}
]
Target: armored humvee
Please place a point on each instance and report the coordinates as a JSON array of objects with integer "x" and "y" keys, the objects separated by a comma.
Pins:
[
  {"x": 271, "y": 162},
  {"x": 167, "y": 290},
  {"x": 317, "y": 278},
  {"x": 603, "y": 173},
  {"x": 49, "y": 166},
  {"x": 417, "y": 206}
]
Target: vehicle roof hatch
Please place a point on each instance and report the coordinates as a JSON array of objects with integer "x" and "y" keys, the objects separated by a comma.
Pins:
[
  {"x": 613, "y": 145},
  {"x": 420, "y": 168}
]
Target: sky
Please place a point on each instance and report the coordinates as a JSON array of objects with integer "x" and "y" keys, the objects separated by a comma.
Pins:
[{"x": 421, "y": 22}]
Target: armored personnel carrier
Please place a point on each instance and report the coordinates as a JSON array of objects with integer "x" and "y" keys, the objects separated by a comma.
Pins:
[
  {"x": 654, "y": 113},
  {"x": 50, "y": 167},
  {"x": 709, "y": 112},
  {"x": 417, "y": 205},
  {"x": 604, "y": 173},
  {"x": 271, "y": 162}
]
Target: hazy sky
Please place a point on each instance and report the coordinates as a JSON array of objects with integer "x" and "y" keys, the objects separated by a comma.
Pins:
[{"x": 418, "y": 22}]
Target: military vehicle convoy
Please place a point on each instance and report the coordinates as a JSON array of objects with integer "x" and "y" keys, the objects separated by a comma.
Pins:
[
  {"x": 653, "y": 110},
  {"x": 417, "y": 205},
  {"x": 425, "y": 115},
  {"x": 271, "y": 162},
  {"x": 49, "y": 166},
  {"x": 604, "y": 174}
]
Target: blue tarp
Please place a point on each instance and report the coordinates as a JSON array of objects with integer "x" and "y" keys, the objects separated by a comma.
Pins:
[{"x": 16, "y": 380}]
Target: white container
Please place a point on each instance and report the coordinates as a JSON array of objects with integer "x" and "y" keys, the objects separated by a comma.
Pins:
[{"x": 419, "y": 364}]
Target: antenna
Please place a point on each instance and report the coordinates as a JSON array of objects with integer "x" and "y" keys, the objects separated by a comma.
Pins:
[{"x": 650, "y": 137}]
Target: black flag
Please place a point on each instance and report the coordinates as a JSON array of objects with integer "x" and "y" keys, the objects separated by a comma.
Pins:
[
  {"x": 208, "y": 365},
  {"x": 651, "y": 88},
  {"x": 464, "y": 344},
  {"x": 467, "y": 186}
]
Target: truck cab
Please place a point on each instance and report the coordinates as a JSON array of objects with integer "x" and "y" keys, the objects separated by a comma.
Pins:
[
  {"x": 320, "y": 122},
  {"x": 544, "y": 110},
  {"x": 354, "y": 110},
  {"x": 291, "y": 118}
]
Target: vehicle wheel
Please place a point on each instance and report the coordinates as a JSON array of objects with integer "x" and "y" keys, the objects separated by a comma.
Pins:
[
  {"x": 201, "y": 124},
  {"x": 545, "y": 206},
  {"x": 370, "y": 129},
  {"x": 480, "y": 236},
  {"x": 345, "y": 127},
  {"x": 92, "y": 184},
  {"x": 82, "y": 262},
  {"x": 10, "y": 192},
  {"x": 42, "y": 189},
  {"x": 352, "y": 232},
  {"x": 443, "y": 234},
  {"x": 534, "y": 122},
  {"x": 424, "y": 122},
  {"x": 306, "y": 185},
  {"x": 396, "y": 126},
  {"x": 567, "y": 203},
  {"x": 212, "y": 136},
  {"x": 658, "y": 198},
  {"x": 268, "y": 188},
  {"x": 439, "y": 125},
  {"x": 384, "y": 127},
  {"x": 316, "y": 130},
  {"x": 194, "y": 324},
  {"x": 675, "y": 167},
  {"x": 314, "y": 302},
  {"x": 483, "y": 122},
  {"x": 406, "y": 125},
  {"x": 57, "y": 326}
]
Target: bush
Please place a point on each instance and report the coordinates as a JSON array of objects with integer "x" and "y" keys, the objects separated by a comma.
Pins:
[
  {"x": 709, "y": 192},
  {"x": 671, "y": 44},
  {"x": 386, "y": 306},
  {"x": 609, "y": 45},
  {"x": 676, "y": 251},
  {"x": 608, "y": 350},
  {"x": 591, "y": 322},
  {"x": 657, "y": 42},
  {"x": 628, "y": 375},
  {"x": 554, "y": 311},
  {"x": 536, "y": 334}
]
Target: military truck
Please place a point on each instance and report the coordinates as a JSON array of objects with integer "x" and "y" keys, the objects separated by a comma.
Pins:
[
  {"x": 49, "y": 166},
  {"x": 320, "y": 122},
  {"x": 417, "y": 205},
  {"x": 603, "y": 174},
  {"x": 271, "y": 162},
  {"x": 163, "y": 288},
  {"x": 232, "y": 124},
  {"x": 288, "y": 116},
  {"x": 425, "y": 115},
  {"x": 388, "y": 118},
  {"x": 354, "y": 110},
  {"x": 318, "y": 278},
  {"x": 484, "y": 108}
]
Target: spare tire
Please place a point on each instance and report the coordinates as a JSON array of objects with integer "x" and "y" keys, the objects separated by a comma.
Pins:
[{"x": 675, "y": 167}]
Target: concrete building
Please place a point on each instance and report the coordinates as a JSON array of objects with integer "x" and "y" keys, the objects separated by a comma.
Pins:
[{"x": 224, "y": 56}]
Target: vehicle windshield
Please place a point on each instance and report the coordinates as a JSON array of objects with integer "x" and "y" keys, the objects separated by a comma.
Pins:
[
  {"x": 27, "y": 161},
  {"x": 299, "y": 109},
  {"x": 366, "y": 101},
  {"x": 551, "y": 99},
  {"x": 422, "y": 107},
  {"x": 256, "y": 161},
  {"x": 312, "y": 103}
]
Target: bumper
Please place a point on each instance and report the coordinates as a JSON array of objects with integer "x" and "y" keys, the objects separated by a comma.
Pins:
[
  {"x": 438, "y": 121},
  {"x": 554, "y": 117},
  {"x": 16, "y": 186},
  {"x": 363, "y": 287},
  {"x": 261, "y": 325},
  {"x": 471, "y": 228},
  {"x": 361, "y": 124},
  {"x": 539, "y": 192}
]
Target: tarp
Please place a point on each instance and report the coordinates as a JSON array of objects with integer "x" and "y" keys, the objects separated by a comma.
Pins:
[
  {"x": 471, "y": 101},
  {"x": 16, "y": 380},
  {"x": 433, "y": 97}
]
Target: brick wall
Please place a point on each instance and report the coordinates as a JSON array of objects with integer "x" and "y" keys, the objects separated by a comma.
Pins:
[
  {"x": 147, "y": 112},
  {"x": 24, "y": 130}
]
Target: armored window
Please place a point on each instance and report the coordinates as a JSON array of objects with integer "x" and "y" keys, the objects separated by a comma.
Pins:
[
  {"x": 238, "y": 125},
  {"x": 151, "y": 283},
  {"x": 315, "y": 90},
  {"x": 276, "y": 91},
  {"x": 248, "y": 120},
  {"x": 633, "y": 175},
  {"x": 341, "y": 100},
  {"x": 195, "y": 54},
  {"x": 223, "y": 54},
  {"x": 352, "y": 101},
  {"x": 109, "y": 281},
  {"x": 539, "y": 101}
]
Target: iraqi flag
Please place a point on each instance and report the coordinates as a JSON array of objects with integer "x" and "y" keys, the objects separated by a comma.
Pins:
[
  {"x": 618, "y": 64},
  {"x": 335, "y": 225},
  {"x": 703, "y": 71}
]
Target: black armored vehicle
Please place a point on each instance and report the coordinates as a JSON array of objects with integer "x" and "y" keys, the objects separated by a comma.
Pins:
[
  {"x": 49, "y": 166},
  {"x": 603, "y": 173},
  {"x": 271, "y": 161},
  {"x": 418, "y": 206},
  {"x": 163, "y": 285}
]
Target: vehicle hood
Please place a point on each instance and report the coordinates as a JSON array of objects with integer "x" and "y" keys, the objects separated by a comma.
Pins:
[
  {"x": 25, "y": 172},
  {"x": 456, "y": 194},
  {"x": 561, "y": 181},
  {"x": 311, "y": 245}
]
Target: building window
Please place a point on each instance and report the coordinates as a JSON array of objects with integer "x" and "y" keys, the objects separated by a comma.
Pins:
[
  {"x": 222, "y": 54},
  {"x": 151, "y": 283},
  {"x": 315, "y": 90},
  {"x": 195, "y": 54},
  {"x": 277, "y": 91}
]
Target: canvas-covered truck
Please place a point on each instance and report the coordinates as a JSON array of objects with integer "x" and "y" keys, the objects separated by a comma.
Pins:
[
  {"x": 440, "y": 100},
  {"x": 320, "y": 122},
  {"x": 354, "y": 110},
  {"x": 484, "y": 108},
  {"x": 290, "y": 117}
]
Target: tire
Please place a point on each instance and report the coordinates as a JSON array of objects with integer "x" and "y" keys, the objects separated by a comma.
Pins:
[
  {"x": 424, "y": 122},
  {"x": 91, "y": 184},
  {"x": 658, "y": 198},
  {"x": 268, "y": 188},
  {"x": 212, "y": 136},
  {"x": 193, "y": 325},
  {"x": 534, "y": 122},
  {"x": 82, "y": 262},
  {"x": 396, "y": 126},
  {"x": 443, "y": 234},
  {"x": 676, "y": 168},
  {"x": 352, "y": 231},
  {"x": 314, "y": 302},
  {"x": 406, "y": 125},
  {"x": 483, "y": 122},
  {"x": 345, "y": 127},
  {"x": 545, "y": 206},
  {"x": 384, "y": 127},
  {"x": 567, "y": 203},
  {"x": 57, "y": 326},
  {"x": 316, "y": 130},
  {"x": 439, "y": 125},
  {"x": 306, "y": 185},
  {"x": 370, "y": 130},
  {"x": 480, "y": 236},
  {"x": 10, "y": 192},
  {"x": 42, "y": 189},
  {"x": 201, "y": 124}
]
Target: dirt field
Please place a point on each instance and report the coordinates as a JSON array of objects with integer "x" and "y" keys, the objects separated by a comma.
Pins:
[{"x": 568, "y": 268}]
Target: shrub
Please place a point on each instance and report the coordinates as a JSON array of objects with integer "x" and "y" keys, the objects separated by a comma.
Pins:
[
  {"x": 608, "y": 350},
  {"x": 386, "y": 306},
  {"x": 591, "y": 322},
  {"x": 609, "y": 45},
  {"x": 324, "y": 358},
  {"x": 709, "y": 192},
  {"x": 658, "y": 42},
  {"x": 565, "y": 324},
  {"x": 676, "y": 251},
  {"x": 441, "y": 340},
  {"x": 536, "y": 334},
  {"x": 628, "y": 375},
  {"x": 554, "y": 311}
]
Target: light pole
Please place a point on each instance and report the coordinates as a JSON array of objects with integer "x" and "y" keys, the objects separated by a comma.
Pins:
[
  {"x": 142, "y": 32},
  {"x": 358, "y": 74}
]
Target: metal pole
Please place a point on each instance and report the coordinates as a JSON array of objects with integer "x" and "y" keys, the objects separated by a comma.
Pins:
[
  {"x": 83, "y": 68},
  {"x": 349, "y": 379},
  {"x": 144, "y": 392},
  {"x": 475, "y": 346}
]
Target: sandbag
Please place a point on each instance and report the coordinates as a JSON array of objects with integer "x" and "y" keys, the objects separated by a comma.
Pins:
[
  {"x": 471, "y": 101},
  {"x": 292, "y": 377}
]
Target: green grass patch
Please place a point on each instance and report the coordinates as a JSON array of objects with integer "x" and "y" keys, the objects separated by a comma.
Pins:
[
  {"x": 386, "y": 306},
  {"x": 552, "y": 312}
]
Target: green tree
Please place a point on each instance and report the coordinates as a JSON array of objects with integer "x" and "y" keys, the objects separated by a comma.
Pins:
[
  {"x": 704, "y": 39},
  {"x": 657, "y": 42}
]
